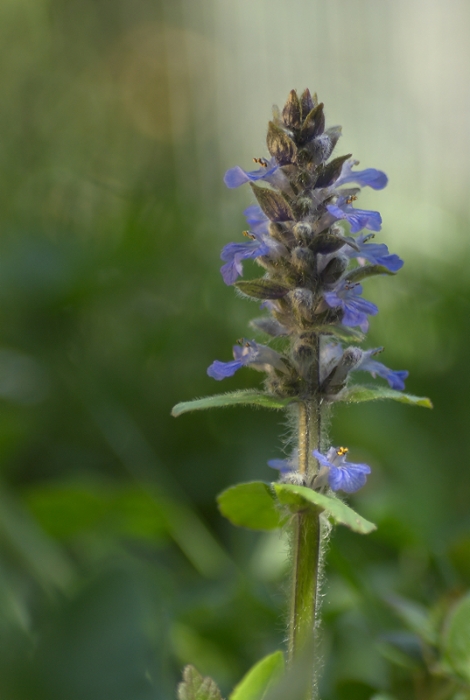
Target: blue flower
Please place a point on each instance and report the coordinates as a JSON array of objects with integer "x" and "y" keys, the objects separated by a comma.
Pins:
[
  {"x": 346, "y": 296},
  {"x": 288, "y": 469},
  {"x": 237, "y": 176},
  {"x": 376, "y": 253},
  {"x": 256, "y": 219},
  {"x": 247, "y": 353},
  {"x": 395, "y": 378},
  {"x": 284, "y": 466},
  {"x": 234, "y": 253},
  {"x": 341, "y": 475},
  {"x": 364, "y": 178},
  {"x": 357, "y": 218},
  {"x": 260, "y": 243}
]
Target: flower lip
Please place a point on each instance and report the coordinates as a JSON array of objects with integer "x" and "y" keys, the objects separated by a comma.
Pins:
[
  {"x": 375, "y": 253},
  {"x": 236, "y": 176},
  {"x": 234, "y": 253},
  {"x": 340, "y": 474},
  {"x": 247, "y": 353},
  {"x": 395, "y": 378},
  {"x": 357, "y": 218},
  {"x": 346, "y": 296},
  {"x": 284, "y": 466},
  {"x": 364, "y": 178}
]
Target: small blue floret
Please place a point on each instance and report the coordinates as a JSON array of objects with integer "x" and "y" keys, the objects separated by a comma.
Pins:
[
  {"x": 395, "y": 378},
  {"x": 375, "y": 253},
  {"x": 342, "y": 475},
  {"x": 237, "y": 176},
  {"x": 346, "y": 296},
  {"x": 357, "y": 218},
  {"x": 234, "y": 253},
  {"x": 364, "y": 178}
]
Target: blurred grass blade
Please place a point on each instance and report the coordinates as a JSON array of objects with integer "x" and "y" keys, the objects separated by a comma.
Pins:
[
  {"x": 129, "y": 444},
  {"x": 27, "y": 543},
  {"x": 256, "y": 682},
  {"x": 358, "y": 394},
  {"x": 195, "y": 540},
  {"x": 298, "y": 498},
  {"x": 247, "y": 397},
  {"x": 415, "y": 617}
]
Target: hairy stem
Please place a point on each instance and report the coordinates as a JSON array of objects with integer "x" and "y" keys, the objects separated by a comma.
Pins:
[{"x": 306, "y": 545}]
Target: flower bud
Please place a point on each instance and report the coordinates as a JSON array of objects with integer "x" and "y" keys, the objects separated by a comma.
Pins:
[
  {"x": 307, "y": 102},
  {"x": 303, "y": 355},
  {"x": 337, "y": 378},
  {"x": 281, "y": 232},
  {"x": 280, "y": 145},
  {"x": 291, "y": 114},
  {"x": 303, "y": 259},
  {"x": 302, "y": 302},
  {"x": 302, "y": 231},
  {"x": 303, "y": 206},
  {"x": 334, "y": 269},
  {"x": 269, "y": 325},
  {"x": 314, "y": 124}
]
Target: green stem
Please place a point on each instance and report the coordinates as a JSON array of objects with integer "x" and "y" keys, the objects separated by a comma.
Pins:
[{"x": 306, "y": 544}]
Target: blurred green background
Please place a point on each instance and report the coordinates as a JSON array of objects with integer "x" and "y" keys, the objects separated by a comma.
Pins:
[{"x": 117, "y": 121}]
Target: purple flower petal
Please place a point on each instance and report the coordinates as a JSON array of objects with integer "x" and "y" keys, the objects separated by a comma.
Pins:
[
  {"x": 342, "y": 475},
  {"x": 364, "y": 178},
  {"x": 247, "y": 353},
  {"x": 346, "y": 296},
  {"x": 357, "y": 218},
  {"x": 395, "y": 378},
  {"x": 256, "y": 219},
  {"x": 282, "y": 465},
  {"x": 349, "y": 478},
  {"x": 237, "y": 176},
  {"x": 375, "y": 253},
  {"x": 234, "y": 253},
  {"x": 221, "y": 370}
]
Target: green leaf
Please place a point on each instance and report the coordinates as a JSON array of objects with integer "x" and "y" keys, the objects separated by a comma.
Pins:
[
  {"x": 251, "y": 505},
  {"x": 359, "y": 393},
  {"x": 300, "y": 497},
  {"x": 455, "y": 641},
  {"x": 195, "y": 687},
  {"x": 415, "y": 616},
  {"x": 257, "y": 681},
  {"x": 361, "y": 273},
  {"x": 244, "y": 397},
  {"x": 262, "y": 288}
]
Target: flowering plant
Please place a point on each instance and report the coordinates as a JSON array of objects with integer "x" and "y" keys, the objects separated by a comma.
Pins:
[{"x": 316, "y": 249}]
